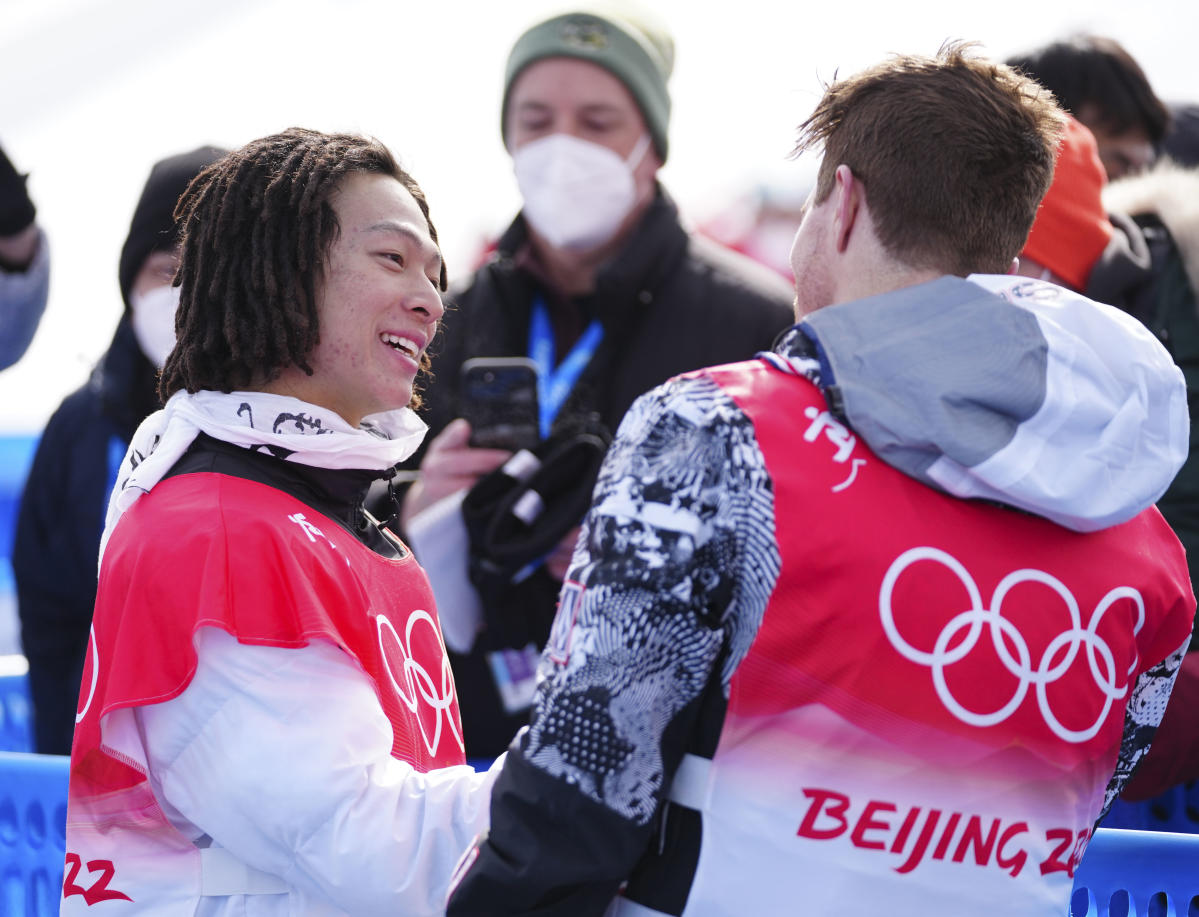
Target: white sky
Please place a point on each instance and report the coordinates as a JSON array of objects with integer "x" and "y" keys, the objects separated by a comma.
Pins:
[{"x": 98, "y": 90}]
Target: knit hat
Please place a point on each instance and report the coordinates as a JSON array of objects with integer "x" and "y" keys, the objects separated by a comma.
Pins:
[
  {"x": 1072, "y": 228},
  {"x": 16, "y": 207},
  {"x": 153, "y": 228},
  {"x": 634, "y": 50}
]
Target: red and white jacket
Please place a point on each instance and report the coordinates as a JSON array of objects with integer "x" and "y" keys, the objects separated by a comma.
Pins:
[
  {"x": 267, "y": 713},
  {"x": 786, "y": 674}
]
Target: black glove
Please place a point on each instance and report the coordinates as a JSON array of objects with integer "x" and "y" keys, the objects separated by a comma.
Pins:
[
  {"x": 16, "y": 209},
  {"x": 513, "y": 523}
]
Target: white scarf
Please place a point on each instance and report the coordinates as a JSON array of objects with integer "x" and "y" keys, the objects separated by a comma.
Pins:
[{"x": 287, "y": 427}]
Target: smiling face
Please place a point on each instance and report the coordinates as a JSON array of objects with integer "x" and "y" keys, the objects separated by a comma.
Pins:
[{"x": 378, "y": 305}]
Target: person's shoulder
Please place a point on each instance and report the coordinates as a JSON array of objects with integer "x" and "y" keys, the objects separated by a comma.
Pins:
[
  {"x": 76, "y": 420},
  {"x": 1169, "y": 192},
  {"x": 704, "y": 396},
  {"x": 219, "y": 524},
  {"x": 491, "y": 266},
  {"x": 481, "y": 299},
  {"x": 76, "y": 407},
  {"x": 202, "y": 505},
  {"x": 730, "y": 271}
]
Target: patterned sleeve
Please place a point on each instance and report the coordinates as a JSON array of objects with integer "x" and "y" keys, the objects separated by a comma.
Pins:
[
  {"x": 670, "y": 575},
  {"x": 1144, "y": 712}
]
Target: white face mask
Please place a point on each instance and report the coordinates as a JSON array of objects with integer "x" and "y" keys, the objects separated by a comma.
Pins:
[
  {"x": 154, "y": 322},
  {"x": 576, "y": 193}
]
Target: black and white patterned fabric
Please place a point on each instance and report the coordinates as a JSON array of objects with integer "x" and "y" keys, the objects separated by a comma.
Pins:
[
  {"x": 1146, "y": 707},
  {"x": 674, "y": 568}
]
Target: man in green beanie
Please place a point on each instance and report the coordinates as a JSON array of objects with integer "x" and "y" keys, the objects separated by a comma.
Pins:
[{"x": 598, "y": 282}]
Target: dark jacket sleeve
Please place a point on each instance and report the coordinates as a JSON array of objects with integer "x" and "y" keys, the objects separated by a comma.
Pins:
[
  {"x": 54, "y": 562},
  {"x": 551, "y": 850},
  {"x": 638, "y": 647}
]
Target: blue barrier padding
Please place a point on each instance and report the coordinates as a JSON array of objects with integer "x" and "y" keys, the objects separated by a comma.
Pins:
[
  {"x": 33, "y": 824},
  {"x": 16, "y": 726},
  {"x": 1136, "y": 873},
  {"x": 1175, "y": 810},
  {"x": 1122, "y": 873},
  {"x": 16, "y": 455}
]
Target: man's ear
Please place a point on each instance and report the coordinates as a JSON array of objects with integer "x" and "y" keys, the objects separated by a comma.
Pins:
[{"x": 849, "y": 199}]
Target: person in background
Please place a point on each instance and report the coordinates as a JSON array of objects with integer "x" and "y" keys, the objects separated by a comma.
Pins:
[
  {"x": 1134, "y": 244},
  {"x": 267, "y": 721},
  {"x": 599, "y": 282},
  {"x": 1181, "y": 143},
  {"x": 24, "y": 265},
  {"x": 57, "y": 536},
  {"x": 882, "y": 621},
  {"x": 1095, "y": 79}
]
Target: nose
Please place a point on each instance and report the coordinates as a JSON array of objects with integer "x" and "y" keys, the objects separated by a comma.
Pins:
[{"x": 426, "y": 301}]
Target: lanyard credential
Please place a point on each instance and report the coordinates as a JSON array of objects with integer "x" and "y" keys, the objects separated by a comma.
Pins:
[{"x": 554, "y": 384}]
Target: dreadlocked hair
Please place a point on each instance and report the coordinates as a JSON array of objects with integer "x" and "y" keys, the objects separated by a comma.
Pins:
[{"x": 256, "y": 228}]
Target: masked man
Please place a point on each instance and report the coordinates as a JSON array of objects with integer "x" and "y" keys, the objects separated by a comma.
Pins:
[{"x": 596, "y": 280}]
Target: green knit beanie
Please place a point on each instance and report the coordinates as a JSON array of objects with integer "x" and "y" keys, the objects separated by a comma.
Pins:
[{"x": 637, "y": 54}]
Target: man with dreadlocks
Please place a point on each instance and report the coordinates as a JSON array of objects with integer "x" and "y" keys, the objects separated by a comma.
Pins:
[{"x": 267, "y": 718}]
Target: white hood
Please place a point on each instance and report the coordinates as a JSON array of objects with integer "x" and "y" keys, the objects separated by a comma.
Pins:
[{"x": 1006, "y": 389}]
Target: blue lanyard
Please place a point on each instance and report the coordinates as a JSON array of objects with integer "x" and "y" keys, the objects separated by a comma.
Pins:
[{"x": 554, "y": 383}]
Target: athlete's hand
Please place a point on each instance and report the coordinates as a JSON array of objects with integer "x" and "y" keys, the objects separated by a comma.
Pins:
[{"x": 449, "y": 466}]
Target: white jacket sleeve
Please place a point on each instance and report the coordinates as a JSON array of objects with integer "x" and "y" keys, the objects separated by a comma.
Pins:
[{"x": 282, "y": 756}]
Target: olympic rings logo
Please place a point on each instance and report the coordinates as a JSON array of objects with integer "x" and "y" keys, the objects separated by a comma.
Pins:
[
  {"x": 418, "y": 684},
  {"x": 91, "y": 661},
  {"x": 1004, "y": 634}
]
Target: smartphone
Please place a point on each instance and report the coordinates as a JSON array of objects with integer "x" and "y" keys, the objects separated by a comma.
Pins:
[{"x": 498, "y": 396}]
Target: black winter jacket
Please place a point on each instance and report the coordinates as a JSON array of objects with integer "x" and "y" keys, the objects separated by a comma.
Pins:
[{"x": 1150, "y": 269}]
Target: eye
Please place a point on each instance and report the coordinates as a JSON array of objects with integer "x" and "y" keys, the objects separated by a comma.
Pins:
[
  {"x": 534, "y": 123},
  {"x": 394, "y": 257},
  {"x": 600, "y": 125}
]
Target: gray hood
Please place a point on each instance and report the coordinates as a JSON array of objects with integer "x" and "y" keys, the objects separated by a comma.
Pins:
[{"x": 1007, "y": 389}]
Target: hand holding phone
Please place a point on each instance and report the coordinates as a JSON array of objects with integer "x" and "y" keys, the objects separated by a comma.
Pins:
[
  {"x": 449, "y": 466},
  {"x": 498, "y": 398}
]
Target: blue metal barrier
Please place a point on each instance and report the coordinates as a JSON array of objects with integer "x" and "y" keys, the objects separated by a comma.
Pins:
[
  {"x": 16, "y": 455},
  {"x": 33, "y": 824},
  {"x": 16, "y": 727},
  {"x": 33, "y": 821},
  {"x": 1175, "y": 810},
  {"x": 1123, "y": 873},
  {"x": 1134, "y": 873}
]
